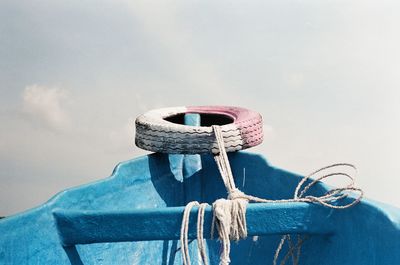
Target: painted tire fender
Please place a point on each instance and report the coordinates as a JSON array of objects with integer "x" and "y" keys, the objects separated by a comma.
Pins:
[{"x": 154, "y": 131}]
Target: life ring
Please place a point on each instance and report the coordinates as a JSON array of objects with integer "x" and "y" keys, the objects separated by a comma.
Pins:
[{"x": 162, "y": 130}]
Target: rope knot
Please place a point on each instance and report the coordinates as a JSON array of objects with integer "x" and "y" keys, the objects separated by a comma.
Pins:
[
  {"x": 230, "y": 219},
  {"x": 236, "y": 194}
]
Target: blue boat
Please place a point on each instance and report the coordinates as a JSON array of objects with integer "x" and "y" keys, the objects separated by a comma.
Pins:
[{"x": 135, "y": 215}]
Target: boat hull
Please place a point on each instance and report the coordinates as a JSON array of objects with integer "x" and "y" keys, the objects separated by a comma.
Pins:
[{"x": 367, "y": 234}]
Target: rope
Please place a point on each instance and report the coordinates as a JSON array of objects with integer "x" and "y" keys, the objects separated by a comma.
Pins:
[
  {"x": 230, "y": 219},
  {"x": 229, "y": 215},
  {"x": 185, "y": 232},
  {"x": 200, "y": 234}
]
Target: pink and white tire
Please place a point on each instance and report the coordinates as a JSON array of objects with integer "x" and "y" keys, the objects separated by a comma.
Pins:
[{"x": 155, "y": 133}]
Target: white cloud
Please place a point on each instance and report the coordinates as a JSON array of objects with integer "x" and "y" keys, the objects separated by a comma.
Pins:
[
  {"x": 45, "y": 105},
  {"x": 121, "y": 140},
  {"x": 295, "y": 80}
]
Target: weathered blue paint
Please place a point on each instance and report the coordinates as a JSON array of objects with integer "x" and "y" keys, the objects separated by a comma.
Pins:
[
  {"x": 82, "y": 227},
  {"x": 367, "y": 234}
]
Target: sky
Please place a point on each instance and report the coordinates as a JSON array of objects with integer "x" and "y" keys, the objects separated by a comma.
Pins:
[{"x": 74, "y": 75}]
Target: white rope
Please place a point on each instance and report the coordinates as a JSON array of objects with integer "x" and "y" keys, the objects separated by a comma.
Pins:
[
  {"x": 200, "y": 234},
  {"x": 185, "y": 232},
  {"x": 230, "y": 219},
  {"x": 229, "y": 215}
]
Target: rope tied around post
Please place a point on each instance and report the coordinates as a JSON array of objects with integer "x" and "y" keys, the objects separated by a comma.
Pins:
[{"x": 229, "y": 215}]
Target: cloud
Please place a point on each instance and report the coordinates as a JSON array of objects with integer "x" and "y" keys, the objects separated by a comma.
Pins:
[
  {"x": 295, "y": 80},
  {"x": 45, "y": 106},
  {"x": 269, "y": 131},
  {"x": 121, "y": 140}
]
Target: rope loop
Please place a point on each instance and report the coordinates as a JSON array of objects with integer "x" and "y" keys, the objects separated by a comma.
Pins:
[{"x": 229, "y": 215}]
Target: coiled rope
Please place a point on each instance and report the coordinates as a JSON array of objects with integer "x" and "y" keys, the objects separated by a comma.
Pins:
[{"x": 229, "y": 215}]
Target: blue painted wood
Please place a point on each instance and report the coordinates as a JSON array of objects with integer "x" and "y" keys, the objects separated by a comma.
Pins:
[
  {"x": 191, "y": 164},
  {"x": 85, "y": 227},
  {"x": 367, "y": 234}
]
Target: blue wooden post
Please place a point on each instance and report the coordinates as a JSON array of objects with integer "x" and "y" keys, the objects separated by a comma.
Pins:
[
  {"x": 82, "y": 227},
  {"x": 191, "y": 165}
]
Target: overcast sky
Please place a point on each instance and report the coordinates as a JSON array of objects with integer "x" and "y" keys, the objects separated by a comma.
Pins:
[{"x": 325, "y": 75}]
